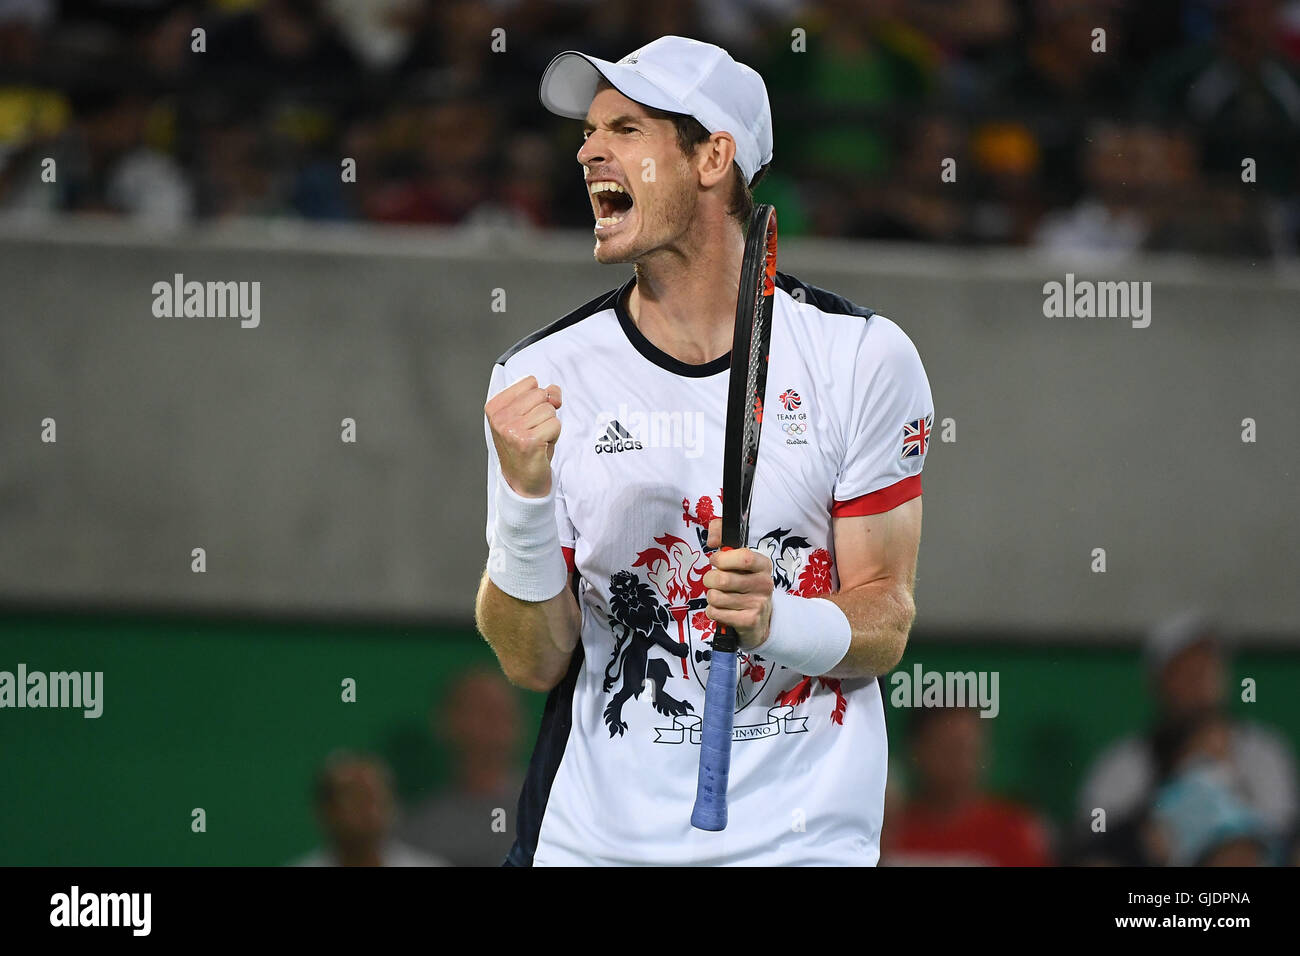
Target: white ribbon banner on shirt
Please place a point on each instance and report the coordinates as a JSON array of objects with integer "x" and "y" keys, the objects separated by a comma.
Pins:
[{"x": 778, "y": 719}]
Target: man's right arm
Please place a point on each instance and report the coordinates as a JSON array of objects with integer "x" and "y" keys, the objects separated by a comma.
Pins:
[
  {"x": 534, "y": 641},
  {"x": 532, "y": 629}
]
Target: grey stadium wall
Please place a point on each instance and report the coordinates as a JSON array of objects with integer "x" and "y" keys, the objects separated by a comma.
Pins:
[{"x": 1071, "y": 434}]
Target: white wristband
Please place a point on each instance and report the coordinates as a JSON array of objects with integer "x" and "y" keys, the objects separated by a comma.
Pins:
[
  {"x": 524, "y": 558},
  {"x": 808, "y": 635}
]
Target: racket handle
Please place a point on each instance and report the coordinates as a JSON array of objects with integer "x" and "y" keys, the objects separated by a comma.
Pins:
[{"x": 710, "y": 811}]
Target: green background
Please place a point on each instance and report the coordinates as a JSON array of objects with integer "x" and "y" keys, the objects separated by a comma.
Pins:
[{"x": 234, "y": 715}]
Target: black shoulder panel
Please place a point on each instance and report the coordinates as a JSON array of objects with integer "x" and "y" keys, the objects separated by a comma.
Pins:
[{"x": 826, "y": 301}]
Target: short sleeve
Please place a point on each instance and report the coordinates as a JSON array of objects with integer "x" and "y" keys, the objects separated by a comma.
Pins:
[
  {"x": 889, "y": 426},
  {"x": 499, "y": 381}
]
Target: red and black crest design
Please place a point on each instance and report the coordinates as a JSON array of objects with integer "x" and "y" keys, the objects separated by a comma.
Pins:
[{"x": 660, "y": 603}]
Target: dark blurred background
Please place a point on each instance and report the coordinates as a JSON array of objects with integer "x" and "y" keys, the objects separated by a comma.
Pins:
[{"x": 1162, "y": 691}]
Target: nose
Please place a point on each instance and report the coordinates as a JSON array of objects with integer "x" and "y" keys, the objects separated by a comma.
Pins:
[{"x": 592, "y": 150}]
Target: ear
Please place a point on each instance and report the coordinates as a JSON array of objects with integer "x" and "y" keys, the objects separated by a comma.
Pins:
[{"x": 714, "y": 158}]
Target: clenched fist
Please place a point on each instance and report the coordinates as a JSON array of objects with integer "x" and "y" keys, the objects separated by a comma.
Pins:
[{"x": 525, "y": 429}]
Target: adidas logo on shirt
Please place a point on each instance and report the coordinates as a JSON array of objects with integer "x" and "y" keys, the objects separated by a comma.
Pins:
[{"x": 616, "y": 438}]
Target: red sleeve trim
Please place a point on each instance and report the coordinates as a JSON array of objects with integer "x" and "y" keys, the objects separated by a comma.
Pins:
[
  {"x": 878, "y": 502},
  {"x": 568, "y": 557}
]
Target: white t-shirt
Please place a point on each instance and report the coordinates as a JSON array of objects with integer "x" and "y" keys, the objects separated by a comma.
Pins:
[{"x": 638, "y": 474}]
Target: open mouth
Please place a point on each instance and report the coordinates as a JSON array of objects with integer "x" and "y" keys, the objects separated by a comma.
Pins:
[{"x": 611, "y": 202}]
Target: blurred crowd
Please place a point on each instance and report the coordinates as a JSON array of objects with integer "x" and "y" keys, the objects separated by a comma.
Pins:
[
  {"x": 1198, "y": 787},
  {"x": 1075, "y": 125},
  {"x": 469, "y": 821},
  {"x": 1201, "y": 786}
]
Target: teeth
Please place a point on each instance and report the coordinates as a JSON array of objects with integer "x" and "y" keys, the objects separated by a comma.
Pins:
[{"x": 607, "y": 186}]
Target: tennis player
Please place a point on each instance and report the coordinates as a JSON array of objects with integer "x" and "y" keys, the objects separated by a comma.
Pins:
[{"x": 605, "y": 436}]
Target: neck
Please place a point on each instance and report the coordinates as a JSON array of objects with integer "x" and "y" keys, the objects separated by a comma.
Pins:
[{"x": 684, "y": 300}]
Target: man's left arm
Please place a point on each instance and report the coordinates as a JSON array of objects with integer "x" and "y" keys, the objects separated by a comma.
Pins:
[{"x": 875, "y": 556}]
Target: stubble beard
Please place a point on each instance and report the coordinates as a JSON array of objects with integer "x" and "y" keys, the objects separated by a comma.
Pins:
[{"x": 676, "y": 208}]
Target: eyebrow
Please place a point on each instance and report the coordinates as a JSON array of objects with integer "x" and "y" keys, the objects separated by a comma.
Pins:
[{"x": 623, "y": 120}]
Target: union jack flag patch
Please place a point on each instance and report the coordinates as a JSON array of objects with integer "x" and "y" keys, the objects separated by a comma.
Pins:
[{"x": 916, "y": 437}]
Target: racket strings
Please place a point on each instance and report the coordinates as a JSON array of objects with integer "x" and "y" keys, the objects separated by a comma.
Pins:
[{"x": 754, "y": 380}]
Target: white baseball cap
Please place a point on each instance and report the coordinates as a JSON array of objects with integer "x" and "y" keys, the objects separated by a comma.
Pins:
[
  {"x": 1176, "y": 634},
  {"x": 677, "y": 75}
]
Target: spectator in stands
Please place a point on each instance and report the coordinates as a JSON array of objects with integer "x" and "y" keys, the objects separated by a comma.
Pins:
[
  {"x": 1198, "y": 816},
  {"x": 975, "y": 38},
  {"x": 354, "y": 807},
  {"x": 916, "y": 203},
  {"x": 1109, "y": 218},
  {"x": 22, "y": 25},
  {"x": 163, "y": 39},
  {"x": 741, "y": 26},
  {"x": 235, "y": 174},
  {"x": 110, "y": 164},
  {"x": 472, "y": 821},
  {"x": 1009, "y": 195},
  {"x": 455, "y": 52},
  {"x": 32, "y": 114},
  {"x": 1061, "y": 67},
  {"x": 379, "y": 33},
  {"x": 1198, "y": 821},
  {"x": 522, "y": 194},
  {"x": 452, "y": 158},
  {"x": 1240, "y": 85},
  {"x": 1059, "y": 83},
  {"x": 868, "y": 63},
  {"x": 1179, "y": 744},
  {"x": 280, "y": 43},
  {"x": 1145, "y": 190},
  {"x": 949, "y": 818},
  {"x": 1189, "y": 211},
  {"x": 1186, "y": 666}
]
